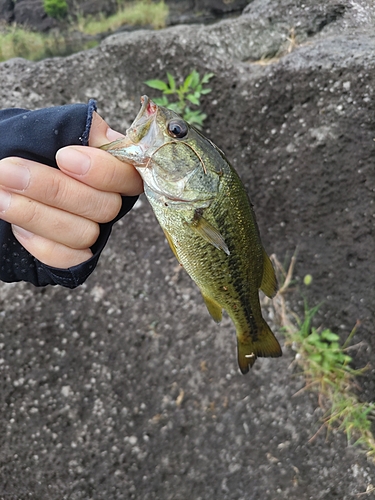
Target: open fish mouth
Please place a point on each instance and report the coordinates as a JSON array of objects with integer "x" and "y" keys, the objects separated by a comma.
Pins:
[
  {"x": 148, "y": 109},
  {"x": 143, "y": 123},
  {"x": 142, "y": 135}
]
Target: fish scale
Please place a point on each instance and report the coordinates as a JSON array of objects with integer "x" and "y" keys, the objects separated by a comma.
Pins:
[{"x": 208, "y": 220}]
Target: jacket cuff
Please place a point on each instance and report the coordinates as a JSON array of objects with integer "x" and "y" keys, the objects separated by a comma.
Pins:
[{"x": 75, "y": 276}]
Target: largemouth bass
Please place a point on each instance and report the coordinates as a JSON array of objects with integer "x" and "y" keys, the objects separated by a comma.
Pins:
[{"x": 208, "y": 220}]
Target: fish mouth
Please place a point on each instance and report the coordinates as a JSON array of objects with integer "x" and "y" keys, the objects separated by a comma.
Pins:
[
  {"x": 142, "y": 124},
  {"x": 142, "y": 135},
  {"x": 148, "y": 109}
]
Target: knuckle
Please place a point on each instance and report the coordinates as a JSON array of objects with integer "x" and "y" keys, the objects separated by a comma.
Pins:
[
  {"x": 54, "y": 190},
  {"x": 50, "y": 189},
  {"x": 110, "y": 177},
  {"x": 109, "y": 208},
  {"x": 31, "y": 215},
  {"x": 88, "y": 235}
]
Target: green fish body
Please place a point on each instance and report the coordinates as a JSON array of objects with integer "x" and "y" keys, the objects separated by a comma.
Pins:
[{"x": 205, "y": 213}]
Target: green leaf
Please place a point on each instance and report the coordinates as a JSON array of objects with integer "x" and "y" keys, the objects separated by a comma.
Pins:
[
  {"x": 169, "y": 91},
  {"x": 175, "y": 106},
  {"x": 187, "y": 84},
  {"x": 156, "y": 84},
  {"x": 206, "y": 91},
  {"x": 207, "y": 77},
  {"x": 171, "y": 81},
  {"x": 197, "y": 120},
  {"x": 161, "y": 101},
  {"x": 193, "y": 99},
  {"x": 193, "y": 114},
  {"x": 316, "y": 357},
  {"x": 194, "y": 79},
  {"x": 330, "y": 336},
  {"x": 335, "y": 346},
  {"x": 313, "y": 338},
  {"x": 196, "y": 124}
]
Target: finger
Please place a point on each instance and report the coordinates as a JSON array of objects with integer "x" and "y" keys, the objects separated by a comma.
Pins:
[
  {"x": 48, "y": 222},
  {"x": 52, "y": 187},
  {"x": 101, "y": 133},
  {"x": 98, "y": 168},
  {"x": 49, "y": 252}
]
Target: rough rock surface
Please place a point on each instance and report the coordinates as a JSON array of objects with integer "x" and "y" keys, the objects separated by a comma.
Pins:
[
  {"x": 125, "y": 388},
  {"x": 6, "y": 10}
]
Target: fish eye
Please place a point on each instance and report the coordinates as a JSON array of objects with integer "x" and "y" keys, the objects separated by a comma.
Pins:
[{"x": 177, "y": 128}]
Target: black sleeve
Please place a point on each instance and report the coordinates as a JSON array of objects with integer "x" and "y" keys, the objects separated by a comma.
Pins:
[{"x": 37, "y": 135}]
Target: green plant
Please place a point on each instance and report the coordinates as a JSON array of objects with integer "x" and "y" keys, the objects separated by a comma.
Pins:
[
  {"x": 55, "y": 8},
  {"x": 325, "y": 363},
  {"x": 326, "y": 366},
  {"x": 21, "y": 42},
  {"x": 187, "y": 94},
  {"x": 322, "y": 349},
  {"x": 141, "y": 13}
]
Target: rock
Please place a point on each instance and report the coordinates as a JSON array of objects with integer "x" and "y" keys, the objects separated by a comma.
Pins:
[
  {"x": 93, "y": 7},
  {"x": 221, "y": 6},
  {"x": 202, "y": 11},
  {"x": 156, "y": 407},
  {"x": 31, "y": 13},
  {"x": 6, "y": 10}
]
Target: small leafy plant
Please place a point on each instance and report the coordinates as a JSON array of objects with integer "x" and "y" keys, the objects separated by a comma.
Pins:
[
  {"x": 326, "y": 366},
  {"x": 323, "y": 350},
  {"x": 186, "y": 95},
  {"x": 325, "y": 363},
  {"x": 55, "y": 8}
]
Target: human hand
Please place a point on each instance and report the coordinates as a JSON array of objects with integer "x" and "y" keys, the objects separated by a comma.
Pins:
[{"x": 55, "y": 214}]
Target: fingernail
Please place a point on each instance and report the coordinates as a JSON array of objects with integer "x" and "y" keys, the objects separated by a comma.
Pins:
[
  {"x": 112, "y": 135},
  {"x": 5, "y": 198},
  {"x": 20, "y": 231},
  {"x": 73, "y": 160},
  {"x": 14, "y": 176}
]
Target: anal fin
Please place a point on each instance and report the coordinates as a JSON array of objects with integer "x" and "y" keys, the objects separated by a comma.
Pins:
[{"x": 213, "y": 308}]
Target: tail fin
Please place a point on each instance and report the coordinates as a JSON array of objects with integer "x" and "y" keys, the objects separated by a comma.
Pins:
[{"x": 266, "y": 345}]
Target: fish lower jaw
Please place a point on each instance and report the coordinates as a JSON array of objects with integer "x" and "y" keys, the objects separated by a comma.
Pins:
[{"x": 173, "y": 200}]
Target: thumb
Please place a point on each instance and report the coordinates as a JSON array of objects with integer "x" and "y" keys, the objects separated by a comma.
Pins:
[{"x": 101, "y": 133}]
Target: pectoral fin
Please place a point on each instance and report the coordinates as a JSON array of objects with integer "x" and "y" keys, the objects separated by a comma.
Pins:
[
  {"x": 269, "y": 282},
  {"x": 213, "y": 308},
  {"x": 208, "y": 232}
]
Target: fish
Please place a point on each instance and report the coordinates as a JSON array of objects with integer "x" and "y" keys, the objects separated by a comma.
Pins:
[{"x": 208, "y": 220}]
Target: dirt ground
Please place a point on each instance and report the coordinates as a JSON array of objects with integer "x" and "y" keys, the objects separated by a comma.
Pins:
[{"x": 125, "y": 388}]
